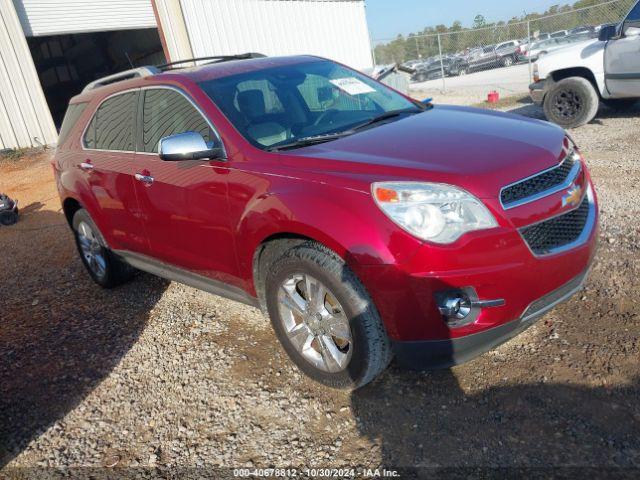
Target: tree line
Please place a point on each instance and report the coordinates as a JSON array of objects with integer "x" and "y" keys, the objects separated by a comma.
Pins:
[{"x": 457, "y": 38}]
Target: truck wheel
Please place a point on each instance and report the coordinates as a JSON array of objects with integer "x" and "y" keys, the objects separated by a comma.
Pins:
[
  {"x": 620, "y": 104},
  {"x": 571, "y": 102},
  {"x": 105, "y": 268},
  {"x": 507, "y": 61},
  {"x": 324, "y": 318}
]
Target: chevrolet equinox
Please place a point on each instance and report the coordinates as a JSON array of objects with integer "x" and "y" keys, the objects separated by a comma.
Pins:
[{"x": 366, "y": 224}]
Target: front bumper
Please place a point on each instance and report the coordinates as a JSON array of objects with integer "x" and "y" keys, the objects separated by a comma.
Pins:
[
  {"x": 497, "y": 266},
  {"x": 537, "y": 91},
  {"x": 447, "y": 353}
]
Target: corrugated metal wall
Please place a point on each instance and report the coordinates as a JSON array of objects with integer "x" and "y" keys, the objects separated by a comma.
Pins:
[
  {"x": 25, "y": 120},
  {"x": 52, "y": 17},
  {"x": 333, "y": 29}
]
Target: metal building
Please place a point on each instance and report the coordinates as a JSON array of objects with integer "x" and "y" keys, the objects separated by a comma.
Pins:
[{"x": 50, "y": 49}]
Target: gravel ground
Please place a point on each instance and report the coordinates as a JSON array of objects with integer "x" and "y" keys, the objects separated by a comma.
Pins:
[{"x": 155, "y": 374}]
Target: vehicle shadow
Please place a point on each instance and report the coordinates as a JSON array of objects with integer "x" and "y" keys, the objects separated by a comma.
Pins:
[
  {"x": 60, "y": 334},
  {"x": 428, "y": 423}
]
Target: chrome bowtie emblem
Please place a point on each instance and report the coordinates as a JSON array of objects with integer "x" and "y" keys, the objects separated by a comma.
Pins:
[{"x": 572, "y": 197}]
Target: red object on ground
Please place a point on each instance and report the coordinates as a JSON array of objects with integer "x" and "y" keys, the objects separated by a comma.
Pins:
[{"x": 493, "y": 97}]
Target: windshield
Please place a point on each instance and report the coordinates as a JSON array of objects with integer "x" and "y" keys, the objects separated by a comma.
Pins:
[{"x": 285, "y": 104}]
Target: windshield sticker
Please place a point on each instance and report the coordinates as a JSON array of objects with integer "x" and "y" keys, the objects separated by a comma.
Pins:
[{"x": 352, "y": 86}]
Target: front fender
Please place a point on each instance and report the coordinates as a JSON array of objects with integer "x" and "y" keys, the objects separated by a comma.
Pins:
[
  {"x": 346, "y": 221},
  {"x": 588, "y": 55}
]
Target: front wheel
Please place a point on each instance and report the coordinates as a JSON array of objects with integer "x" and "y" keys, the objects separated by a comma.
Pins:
[
  {"x": 571, "y": 102},
  {"x": 324, "y": 318}
]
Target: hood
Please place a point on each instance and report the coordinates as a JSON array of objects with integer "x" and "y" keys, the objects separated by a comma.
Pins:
[{"x": 478, "y": 150}]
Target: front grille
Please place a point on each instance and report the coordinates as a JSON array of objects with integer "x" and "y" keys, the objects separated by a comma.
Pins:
[
  {"x": 545, "y": 237},
  {"x": 530, "y": 187}
]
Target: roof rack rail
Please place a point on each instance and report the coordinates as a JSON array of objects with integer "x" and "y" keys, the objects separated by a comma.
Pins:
[
  {"x": 154, "y": 70},
  {"x": 126, "y": 75},
  {"x": 216, "y": 58}
]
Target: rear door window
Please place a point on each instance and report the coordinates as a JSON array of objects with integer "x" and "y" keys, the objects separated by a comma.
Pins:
[
  {"x": 112, "y": 126},
  {"x": 167, "y": 112}
]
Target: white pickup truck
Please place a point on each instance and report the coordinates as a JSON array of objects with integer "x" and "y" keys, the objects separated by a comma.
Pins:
[{"x": 571, "y": 82}]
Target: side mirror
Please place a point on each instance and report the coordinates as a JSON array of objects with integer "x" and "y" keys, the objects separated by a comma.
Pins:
[
  {"x": 188, "y": 146},
  {"x": 607, "y": 33}
]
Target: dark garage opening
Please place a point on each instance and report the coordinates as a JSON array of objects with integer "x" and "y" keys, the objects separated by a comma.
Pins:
[{"x": 66, "y": 63}]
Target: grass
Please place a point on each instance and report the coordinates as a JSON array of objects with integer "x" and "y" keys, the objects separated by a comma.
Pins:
[{"x": 13, "y": 155}]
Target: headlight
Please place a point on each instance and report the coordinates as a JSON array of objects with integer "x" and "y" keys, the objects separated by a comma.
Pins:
[{"x": 431, "y": 211}]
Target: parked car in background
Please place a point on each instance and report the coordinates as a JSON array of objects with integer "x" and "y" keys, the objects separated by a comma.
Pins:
[
  {"x": 570, "y": 83},
  {"x": 412, "y": 63},
  {"x": 365, "y": 224},
  {"x": 538, "y": 49},
  {"x": 559, "y": 34},
  {"x": 586, "y": 29},
  {"x": 494, "y": 56},
  {"x": 452, "y": 66}
]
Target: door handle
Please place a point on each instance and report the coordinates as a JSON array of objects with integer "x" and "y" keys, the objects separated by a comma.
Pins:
[
  {"x": 146, "y": 179},
  {"x": 86, "y": 166}
]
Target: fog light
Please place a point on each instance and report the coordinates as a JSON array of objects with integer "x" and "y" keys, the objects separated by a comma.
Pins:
[
  {"x": 461, "y": 307},
  {"x": 457, "y": 307}
]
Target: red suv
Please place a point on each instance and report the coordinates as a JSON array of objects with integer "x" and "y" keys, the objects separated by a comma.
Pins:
[{"x": 365, "y": 223}]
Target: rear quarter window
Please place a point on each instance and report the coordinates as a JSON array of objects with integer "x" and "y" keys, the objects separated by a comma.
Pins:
[
  {"x": 112, "y": 126},
  {"x": 74, "y": 111}
]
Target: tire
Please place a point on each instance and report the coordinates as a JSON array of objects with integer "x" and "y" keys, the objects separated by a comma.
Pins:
[
  {"x": 571, "y": 102},
  {"x": 9, "y": 218},
  {"x": 620, "y": 104},
  {"x": 507, "y": 61},
  {"x": 104, "y": 267},
  {"x": 361, "y": 346},
  {"x": 462, "y": 72}
]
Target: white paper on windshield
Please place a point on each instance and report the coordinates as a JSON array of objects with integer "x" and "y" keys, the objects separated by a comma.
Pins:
[{"x": 352, "y": 86}]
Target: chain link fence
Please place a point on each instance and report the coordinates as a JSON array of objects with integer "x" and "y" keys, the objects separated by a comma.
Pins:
[{"x": 497, "y": 57}]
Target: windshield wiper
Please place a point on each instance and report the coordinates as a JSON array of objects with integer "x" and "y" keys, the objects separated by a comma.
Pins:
[
  {"x": 384, "y": 116},
  {"x": 308, "y": 141},
  {"x": 316, "y": 139}
]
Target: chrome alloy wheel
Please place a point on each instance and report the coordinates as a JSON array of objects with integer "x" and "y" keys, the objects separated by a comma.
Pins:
[
  {"x": 91, "y": 249},
  {"x": 315, "y": 323}
]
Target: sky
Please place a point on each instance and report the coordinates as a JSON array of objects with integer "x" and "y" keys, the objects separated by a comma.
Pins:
[{"x": 388, "y": 18}]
